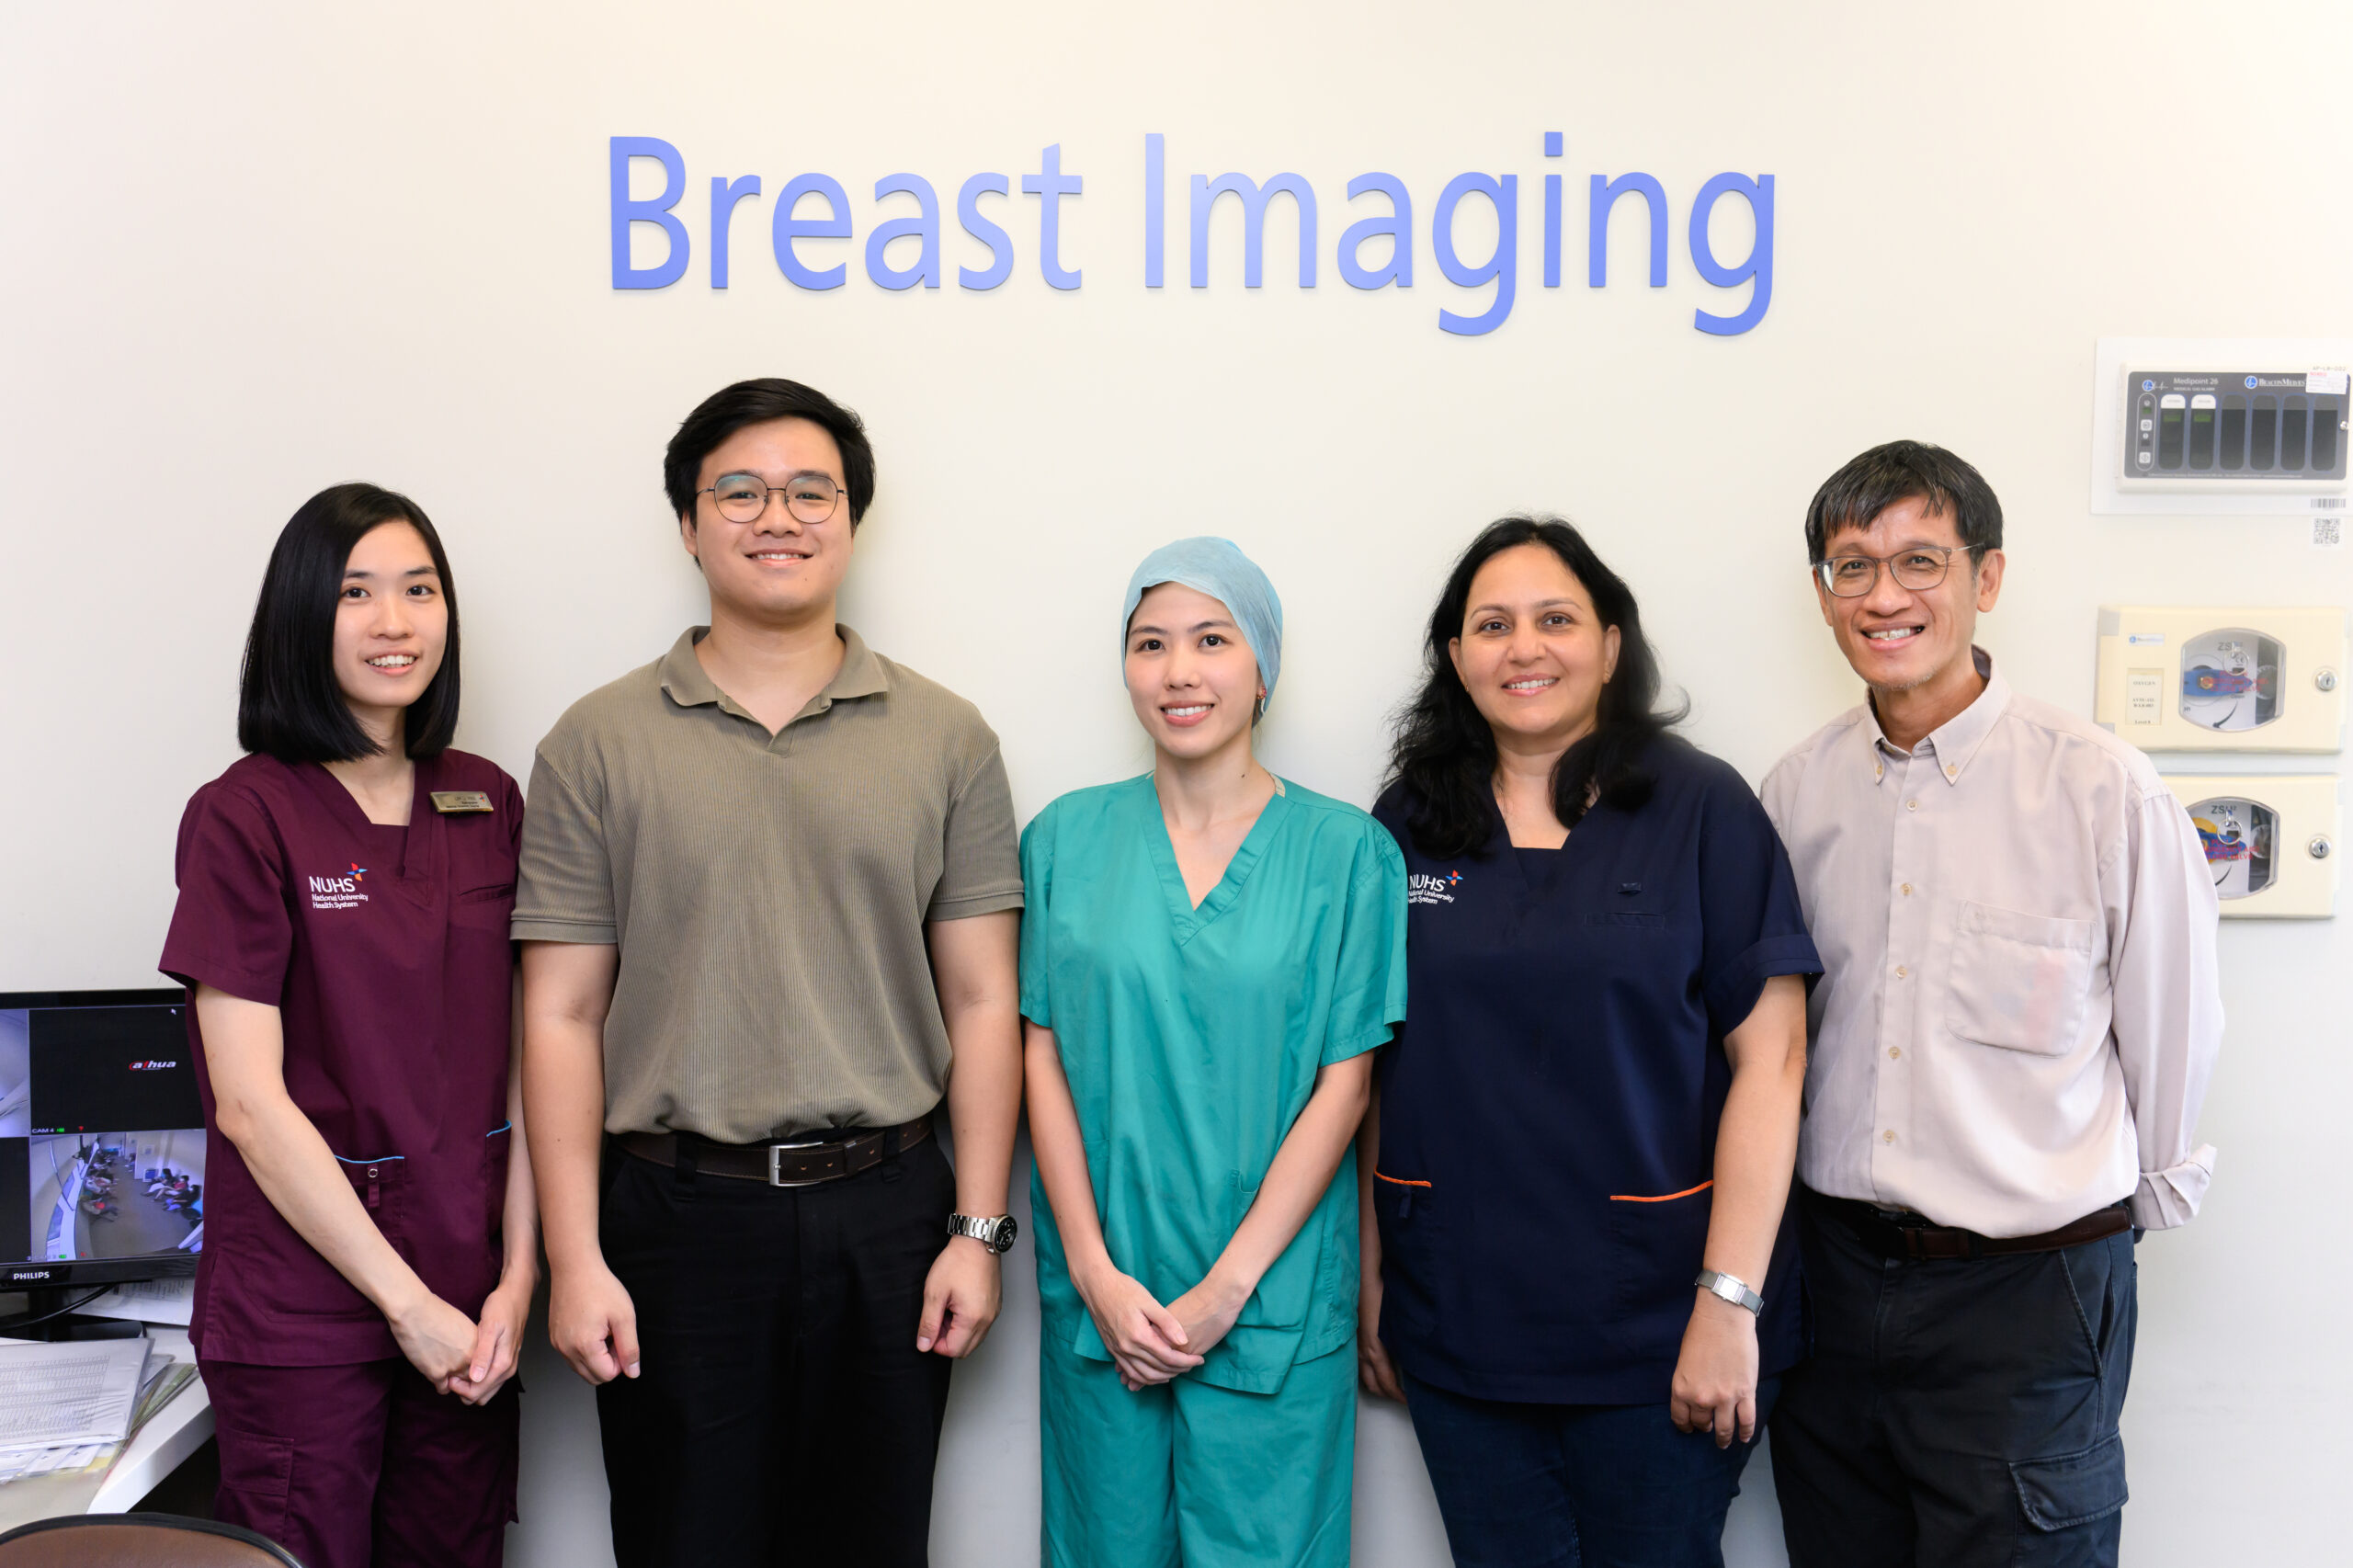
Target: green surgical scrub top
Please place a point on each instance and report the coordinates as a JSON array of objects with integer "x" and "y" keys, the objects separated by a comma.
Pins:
[{"x": 1191, "y": 1037}]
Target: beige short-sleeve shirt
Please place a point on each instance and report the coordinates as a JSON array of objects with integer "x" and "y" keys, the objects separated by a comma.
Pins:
[{"x": 767, "y": 894}]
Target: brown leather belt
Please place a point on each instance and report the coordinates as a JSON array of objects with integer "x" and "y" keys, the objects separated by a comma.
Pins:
[
  {"x": 799, "y": 1164},
  {"x": 1901, "y": 1232}
]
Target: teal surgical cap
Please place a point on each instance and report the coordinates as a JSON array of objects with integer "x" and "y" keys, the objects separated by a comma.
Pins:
[{"x": 1217, "y": 567}]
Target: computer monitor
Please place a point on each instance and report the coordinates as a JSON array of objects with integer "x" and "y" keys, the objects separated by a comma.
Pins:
[{"x": 101, "y": 1139}]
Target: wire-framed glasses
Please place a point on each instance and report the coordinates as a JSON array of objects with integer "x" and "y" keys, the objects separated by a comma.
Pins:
[
  {"x": 741, "y": 497},
  {"x": 1919, "y": 568}
]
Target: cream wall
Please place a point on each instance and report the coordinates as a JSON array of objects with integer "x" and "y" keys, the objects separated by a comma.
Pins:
[{"x": 252, "y": 250}]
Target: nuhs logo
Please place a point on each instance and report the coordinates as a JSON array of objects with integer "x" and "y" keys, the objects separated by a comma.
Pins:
[
  {"x": 1422, "y": 888},
  {"x": 340, "y": 892}
]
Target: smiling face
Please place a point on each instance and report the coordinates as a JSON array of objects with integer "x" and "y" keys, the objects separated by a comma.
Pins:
[
  {"x": 1899, "y": 639},
  {"x": 392, "y": 622},
  {"x": 1192, "y": 679},
  {"x": 1533, "y": 653},
  {"x": 775, "y": 570}
]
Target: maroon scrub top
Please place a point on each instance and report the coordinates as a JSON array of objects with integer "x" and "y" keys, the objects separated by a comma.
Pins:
[{"x": 385, "y": 951}]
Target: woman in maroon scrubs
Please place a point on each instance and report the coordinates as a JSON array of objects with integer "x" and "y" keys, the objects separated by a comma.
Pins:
[{"x": 371, "y": 1240}]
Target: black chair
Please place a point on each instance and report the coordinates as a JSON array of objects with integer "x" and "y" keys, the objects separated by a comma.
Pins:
[{"x": 138, "y": 1540}]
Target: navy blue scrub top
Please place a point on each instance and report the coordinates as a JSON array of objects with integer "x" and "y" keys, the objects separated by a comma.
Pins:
[{"x": 1549, "y": 1111}]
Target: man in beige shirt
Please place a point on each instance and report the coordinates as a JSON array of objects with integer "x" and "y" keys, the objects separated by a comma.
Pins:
[
  {"x": 2013, "y": 1034},
  {"x": 769, "y": 898}
]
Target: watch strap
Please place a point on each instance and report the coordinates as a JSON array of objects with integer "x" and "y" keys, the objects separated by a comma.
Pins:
[
  {"x": 1729, "y": 1289},
  {"x": 994, "y": 1232}
]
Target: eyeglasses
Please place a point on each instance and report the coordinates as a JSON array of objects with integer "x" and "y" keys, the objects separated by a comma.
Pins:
[
  {"x": 1919, "y": 568},
  {"x": 743, "y": 497}
]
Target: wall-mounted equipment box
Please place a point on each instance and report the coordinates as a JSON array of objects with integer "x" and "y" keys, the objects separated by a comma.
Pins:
[
  {"x": 2223, "y": 426},
  {"x": 2234, "y": 428},
  {"x": 2223, "y": 677},
  {"x": 2270, "y": 841}
]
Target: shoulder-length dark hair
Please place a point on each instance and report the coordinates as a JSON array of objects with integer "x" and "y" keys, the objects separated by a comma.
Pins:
[
  {"x": 290, "y": 705},
  {"x": 1445, "y": 752}
]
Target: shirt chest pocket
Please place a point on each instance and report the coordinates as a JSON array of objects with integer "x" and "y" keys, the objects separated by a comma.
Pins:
[
  {"x": 2019, "y": 982},
  {"x": 489, "y": 906}
]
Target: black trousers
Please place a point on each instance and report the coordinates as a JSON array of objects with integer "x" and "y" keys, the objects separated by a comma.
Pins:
[
  {"x": 1956, "y": 1413},
  {"x": 783, "y": 1414}
]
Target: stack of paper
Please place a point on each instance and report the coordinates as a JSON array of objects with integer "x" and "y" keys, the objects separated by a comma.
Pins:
[
  {"x": 69, "y": 1393},
  {"x": 40, "y": 1480}
]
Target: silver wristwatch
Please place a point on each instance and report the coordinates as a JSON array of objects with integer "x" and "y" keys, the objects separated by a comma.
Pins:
[
  {"x": 1735, "y": 1290},
  {"x": 995, "y": 1233}
]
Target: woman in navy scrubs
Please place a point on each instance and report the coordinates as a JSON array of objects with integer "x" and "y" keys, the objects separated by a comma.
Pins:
[
  {"x": 371, "y": 1241},
  {"x": 1576, "y": 1273}
]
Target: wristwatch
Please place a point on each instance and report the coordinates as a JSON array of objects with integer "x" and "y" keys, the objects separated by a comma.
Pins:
[
  {"x": 1737, "y": 1292},
  {"x": 995, "y": 1233}
]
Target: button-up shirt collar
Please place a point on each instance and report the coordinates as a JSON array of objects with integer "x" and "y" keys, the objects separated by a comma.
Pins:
[{"x": 1954, "y": 741}]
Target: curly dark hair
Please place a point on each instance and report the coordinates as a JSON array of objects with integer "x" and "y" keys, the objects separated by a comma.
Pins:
[{"x": 1444, "y": 755}]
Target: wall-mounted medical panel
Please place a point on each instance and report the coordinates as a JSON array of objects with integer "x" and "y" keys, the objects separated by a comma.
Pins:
[
  {"x": 2234, "y": 428},
  {"x": 2271, "y": 841},
  {"x": 2222, "y": 677},
  {"x": 2240, "y": 425}
]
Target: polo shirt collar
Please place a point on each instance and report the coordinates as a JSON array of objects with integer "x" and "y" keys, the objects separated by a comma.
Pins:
[
  {"x": 1958, "y": 738},
  {"x": 683, "y": 677},
  {"x": 861, "y": 672},
  {"x": 688, "y": 685}
]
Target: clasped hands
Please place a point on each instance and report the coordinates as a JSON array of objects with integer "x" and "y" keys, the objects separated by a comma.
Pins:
[
  {"x": 1151, "y": 1343},
  {"x": 453, "y": 1352}
]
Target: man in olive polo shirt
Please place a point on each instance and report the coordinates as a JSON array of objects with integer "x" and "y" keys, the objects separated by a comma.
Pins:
[{"x": 769, "y": 897}]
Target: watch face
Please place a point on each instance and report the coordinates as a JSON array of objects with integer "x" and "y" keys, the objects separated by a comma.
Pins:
[{"x": 1007, "y": 1229}]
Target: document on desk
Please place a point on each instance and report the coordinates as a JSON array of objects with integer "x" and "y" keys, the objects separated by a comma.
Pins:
[
  {"x": 74, "y": 1392},
  {"x": 40, "y": 1484},
  {"x": 148, "y": 1301}
]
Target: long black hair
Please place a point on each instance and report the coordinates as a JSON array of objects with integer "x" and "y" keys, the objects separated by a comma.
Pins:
[
  {"x": 1445, "y": 752},
  {"x": 290, "y": 705}
]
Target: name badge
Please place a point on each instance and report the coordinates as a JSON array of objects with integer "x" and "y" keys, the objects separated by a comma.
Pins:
[{"x": 458, "y": 802}]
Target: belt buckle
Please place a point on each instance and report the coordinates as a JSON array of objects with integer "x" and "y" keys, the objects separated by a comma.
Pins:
[{"x": 775, "y": 1162}]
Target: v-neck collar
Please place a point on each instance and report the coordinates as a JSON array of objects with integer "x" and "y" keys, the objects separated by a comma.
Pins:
[
  {"x": 1189, "y": 920},
  {"x": 1532, "y": 883},
  {"x": 420, "y": 841}
]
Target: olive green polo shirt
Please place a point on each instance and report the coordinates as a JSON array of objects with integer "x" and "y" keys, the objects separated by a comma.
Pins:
[{"x": 767, "y": 894}]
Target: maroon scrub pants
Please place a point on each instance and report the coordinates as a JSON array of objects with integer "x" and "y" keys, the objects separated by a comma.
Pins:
[{"x": 361, "y": 1465}]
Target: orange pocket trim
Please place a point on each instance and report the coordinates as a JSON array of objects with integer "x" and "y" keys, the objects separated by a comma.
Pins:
[
  {"x": 1397, "y": 1181},
  {"x": 1663, "y": 1198}
]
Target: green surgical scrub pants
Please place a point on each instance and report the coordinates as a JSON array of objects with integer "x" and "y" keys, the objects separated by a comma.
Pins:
[{"x": 1186, "y": 1474}]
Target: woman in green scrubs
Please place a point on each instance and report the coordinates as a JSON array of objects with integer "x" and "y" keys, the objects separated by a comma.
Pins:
[{"x": 1209, "y": 957}]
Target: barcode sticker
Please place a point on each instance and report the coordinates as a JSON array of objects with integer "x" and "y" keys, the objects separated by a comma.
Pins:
[{"x": 2328, "y": 533}]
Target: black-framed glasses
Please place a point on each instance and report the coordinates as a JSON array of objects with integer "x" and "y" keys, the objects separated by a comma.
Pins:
[
  {"x": 1919, "y": 568},
  {"x": 741, "y": 497}
]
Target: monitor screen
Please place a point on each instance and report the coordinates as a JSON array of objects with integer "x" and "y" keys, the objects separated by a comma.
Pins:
[{"x": 101, "y": 1138}]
